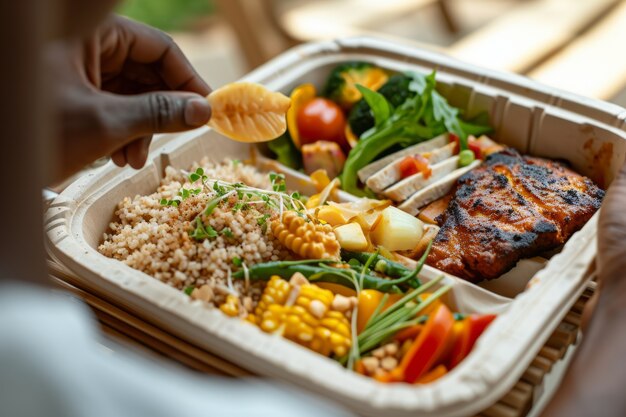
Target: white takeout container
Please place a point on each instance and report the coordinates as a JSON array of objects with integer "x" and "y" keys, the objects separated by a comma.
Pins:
[{"x": 533, "y": 118}]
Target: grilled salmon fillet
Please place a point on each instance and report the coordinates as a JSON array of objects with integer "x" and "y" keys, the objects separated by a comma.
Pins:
[{"x": 511, "y": 207}]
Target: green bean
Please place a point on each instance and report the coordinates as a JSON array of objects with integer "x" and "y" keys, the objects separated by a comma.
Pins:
[
  {"x": 315, "y": 273},
  {"x": 389, "y": 268}
]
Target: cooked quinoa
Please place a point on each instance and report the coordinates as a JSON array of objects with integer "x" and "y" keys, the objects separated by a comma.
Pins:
[{"x": 154, "y": 238}]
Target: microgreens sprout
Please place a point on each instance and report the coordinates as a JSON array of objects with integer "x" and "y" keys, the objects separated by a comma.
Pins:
[
  {"x": 202, "y": 231},
  {"x": 198, "y": 174},
  {"x": 277, "y": 200}
]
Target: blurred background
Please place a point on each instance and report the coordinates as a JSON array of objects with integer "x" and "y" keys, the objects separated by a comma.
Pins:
[{"x": 571, "y": 44}]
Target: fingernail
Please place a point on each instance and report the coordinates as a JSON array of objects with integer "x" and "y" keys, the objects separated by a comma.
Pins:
[{"x": 197, "y": 112}]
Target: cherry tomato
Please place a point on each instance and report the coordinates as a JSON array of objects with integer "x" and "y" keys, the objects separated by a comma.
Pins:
[
  {"x": 428, "y": 345},
  {"x": 322, "y": 119}
]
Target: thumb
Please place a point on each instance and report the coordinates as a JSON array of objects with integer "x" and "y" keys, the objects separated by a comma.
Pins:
[{"x": 157, "y": 112}]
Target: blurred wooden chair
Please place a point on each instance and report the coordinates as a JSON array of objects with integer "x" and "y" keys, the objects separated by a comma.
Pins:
[
  {"x": 265, "y": 28},
  {"x": 530, "y": 33},
  {"x": 593, "y": 65}
]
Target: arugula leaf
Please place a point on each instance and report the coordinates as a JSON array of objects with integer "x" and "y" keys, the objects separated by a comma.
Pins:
[{"x": 380, "y": 107}]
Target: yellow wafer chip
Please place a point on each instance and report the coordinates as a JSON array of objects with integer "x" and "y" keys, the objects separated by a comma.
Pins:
[{"x": 248, "y": 112}]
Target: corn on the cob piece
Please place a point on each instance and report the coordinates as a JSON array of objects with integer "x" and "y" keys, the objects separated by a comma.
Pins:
[
  {"x": 306, "y": 238},
  {"x": 231, "y": 306},
  {"x": 276, "y": 292},
  {"x": 311, "y": 322}
]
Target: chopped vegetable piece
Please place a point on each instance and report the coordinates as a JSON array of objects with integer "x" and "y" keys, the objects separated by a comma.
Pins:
[
  {"x": 368, "y": 221},
  {"x": 368, "y": 302},
  {"x": 351, "y": 237},
  {"x": 432, "y": 307},
  {"x": 320, "y": 178},
  {"x": 321, "y": 119},
  {"x": 323, "y": 155},
  {"x": 433, "y": 375},
  {"x": 332, "y": 215},
  {"x": 466, "y": 157},
  {"x": 473, "y": 146},
  {"x": 423, "y": 165},
  {"x": 350, "y": 136},
  {"x": 410, "y": 333},
  {"x": 342, "y": 82},
  {"x": 428, "y": 346},
  {"x": 397, "y": 230},
  {"x": 473, "y": 326},
  {"x": 248, "y": 112},
  {"x": 407, "y": 167},
  {"x": 300, "y": 96},
  {"x": 412, "y": 165}
]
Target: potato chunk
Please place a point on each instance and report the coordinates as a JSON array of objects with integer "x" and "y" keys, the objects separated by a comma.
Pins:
[{"x": 397, "y": 230}]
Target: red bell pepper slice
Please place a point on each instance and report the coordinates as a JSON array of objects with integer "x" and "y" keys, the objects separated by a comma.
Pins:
[
  {"x": 428, "y": 346},
  {"x": 473, "y": 326}
]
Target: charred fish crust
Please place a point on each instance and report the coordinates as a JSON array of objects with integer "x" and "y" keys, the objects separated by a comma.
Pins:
[{"x": 509, "y": 208}]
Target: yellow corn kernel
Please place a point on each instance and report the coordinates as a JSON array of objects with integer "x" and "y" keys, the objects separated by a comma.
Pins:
[
  {"x": 231, "y": 306},
  {"x": 306, "y": 238},
  {"x": 315, "y": 300},
  {"x": 276, "y": 292},
  {"x": 272, "y": 318}
]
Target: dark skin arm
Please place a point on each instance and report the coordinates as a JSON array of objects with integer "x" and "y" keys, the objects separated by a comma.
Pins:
[
  {"x": 595, "y": 382},
  {"x": 118, "y": 87}
]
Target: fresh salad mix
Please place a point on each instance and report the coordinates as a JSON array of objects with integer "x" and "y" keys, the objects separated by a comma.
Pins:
[{"x": 364, "y": 113}]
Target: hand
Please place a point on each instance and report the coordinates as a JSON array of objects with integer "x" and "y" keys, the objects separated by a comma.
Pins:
[
  {"x": 116, "y": 89},
  {"x": 594, "y": 383}
]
